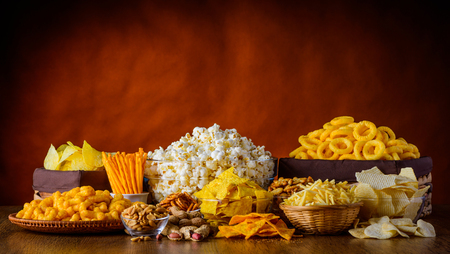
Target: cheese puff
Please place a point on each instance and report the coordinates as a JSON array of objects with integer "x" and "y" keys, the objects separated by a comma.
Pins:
[
  {"x": 62, "y": 203},
  {"x": 87, "y": 215},
  {"x": 85, "y": 205},
  {"x": 75, "y": 217},
  {"x": 115, "y": 214},
  {"x": 117, "y": 197},
  {"x": 20, "y": 214},
  {"x": 56, "y": 195},
  {"x": 35, "y": 202},
  {"x": 100, "y": 216},
  {"x": 98, "y": 198},
  {"x": 70, "y": 211},
  {"x": 28, "y": 213},
  {"x": 86, "y": 191},
  {"x": 50, "y": 213},
  {"x": 117, "y": 206},
  {"x": 72, "y": 192},
  {"x": 36, "y": 213},
  {"x": 76, "y": 200},
  {"x": 108, "y": 216},
  {"x": 103, "y": 207},
  {"x": 91, "y": 215},
  {"x": 62, "y": 214},
  {"x": 46, "y": 202}
]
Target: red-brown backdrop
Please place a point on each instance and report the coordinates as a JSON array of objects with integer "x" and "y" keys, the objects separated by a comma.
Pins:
[{"x": 143, "y": 74}]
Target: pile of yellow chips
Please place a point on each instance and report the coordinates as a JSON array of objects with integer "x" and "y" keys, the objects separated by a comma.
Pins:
[
  {"x": 229, "y": 195},
  {"x": 385, "y": 228},
  {"x": 389, "y": 195},
  {"x": 324, "y": 193},
  {"x": 69, "y": 157},
  {"x": 256, "y": 224},
  {"x": 344, "y": 139}
]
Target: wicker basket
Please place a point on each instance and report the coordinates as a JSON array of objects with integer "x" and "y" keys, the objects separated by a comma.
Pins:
[{"x": 322, "y": 220}]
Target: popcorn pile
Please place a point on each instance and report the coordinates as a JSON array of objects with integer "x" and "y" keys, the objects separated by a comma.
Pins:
[{"x": 192, "y": 162}]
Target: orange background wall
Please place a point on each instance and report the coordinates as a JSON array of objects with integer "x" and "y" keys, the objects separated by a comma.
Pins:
[{"x": 143, "y": 74}]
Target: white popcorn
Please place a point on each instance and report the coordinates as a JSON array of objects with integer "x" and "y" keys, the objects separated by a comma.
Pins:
[{"x": 192, "y": 162}]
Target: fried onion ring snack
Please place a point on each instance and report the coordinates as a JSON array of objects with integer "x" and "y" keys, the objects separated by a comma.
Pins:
[{"x": 344, "y": 139}]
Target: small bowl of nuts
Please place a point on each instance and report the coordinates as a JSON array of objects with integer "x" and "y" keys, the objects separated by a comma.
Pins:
[{"x": 144, "y": 220}]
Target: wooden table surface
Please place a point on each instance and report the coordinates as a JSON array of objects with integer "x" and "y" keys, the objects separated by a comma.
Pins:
[{"x": 14, "y": 239}]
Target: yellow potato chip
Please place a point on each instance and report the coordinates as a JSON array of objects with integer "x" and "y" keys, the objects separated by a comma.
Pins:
[
  {"x": 402, "y": 222},
  {"x": 376, "y": 231},
  {"x": 420, "y": 192},
  {"x": 390, "y": 228},
  {"x": 374, "y": 170},
  {"x": 399, "y": 199},
  {"x": 61, "y": 149},
  {"x": 74, "y": 146},
  {"x": 408, "y": 172},
  {"x": 413, "y": 207},
  {"x": 369, "y": 198},
  {"x": 425, "y": 229},
  {"x": 403, "y": 180},
  {"x": 91, "y": 156},
  {"x": 385, "y": 206},
  {"x": 68, "y": 152},
  {"x": 377, "y": 181},
  {"x": 358, "y": 233},
  {"x": 51, "y": 159},
  {"x": 77, "y": 162},
  {"x": 410, "y": 230}
]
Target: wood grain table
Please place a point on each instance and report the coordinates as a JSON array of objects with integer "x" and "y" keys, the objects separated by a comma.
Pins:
[{"x": 14, "y": 239}]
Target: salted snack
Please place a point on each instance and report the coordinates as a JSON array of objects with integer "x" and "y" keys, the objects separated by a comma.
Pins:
[
  {"x": 389, "y": 195},
  {"x": 69, "y": 157},
  {"x": 285, "y": 187},
  {"x": 386, "y": 228},
  {"x": 256, "y": 224},
  {"x": 79, "y": 204},
  {"x": 143, "y": 217},
  {"x": 323, "y": 193},
  {"x": 125, "y": 171},
  {"x": 181, "y": 200},
  {"x": 196, "y": 159},
  {"x": 184, "y": 225},
  {"x": 230, "y": 195},
  {"x": 344, "y": 139}
]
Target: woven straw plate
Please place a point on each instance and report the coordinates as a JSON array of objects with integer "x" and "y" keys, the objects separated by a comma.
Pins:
[
  {"x": 68, "y": 227},
  {"x": 322, "y": 220}
]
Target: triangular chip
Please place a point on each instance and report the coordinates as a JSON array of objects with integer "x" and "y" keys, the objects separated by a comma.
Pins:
[
  {"x": 52, "y": 159},
  {"x": 408, "y": 172},
  {"x": 91, "y": 156}
]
